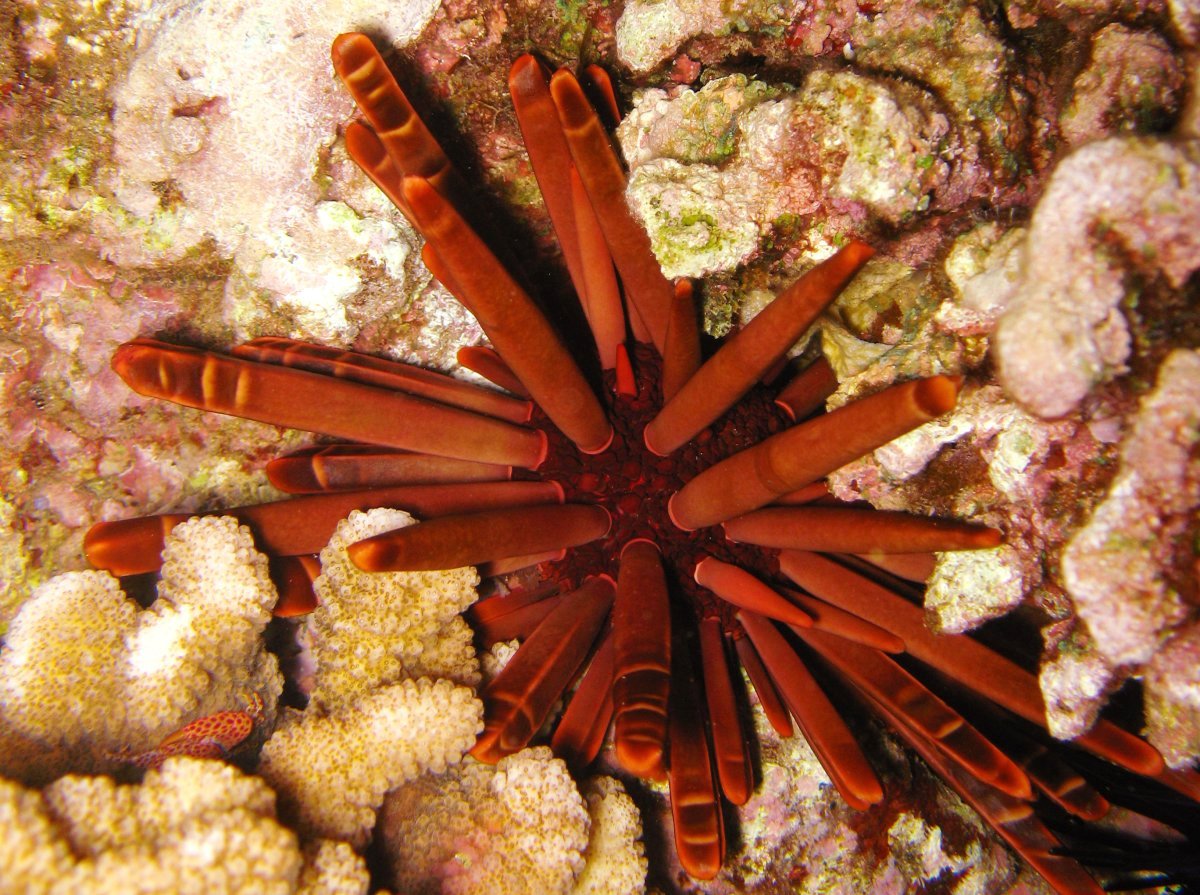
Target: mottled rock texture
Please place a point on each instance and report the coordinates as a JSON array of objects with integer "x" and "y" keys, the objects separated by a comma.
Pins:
[{"x": 1111, "y": 207}]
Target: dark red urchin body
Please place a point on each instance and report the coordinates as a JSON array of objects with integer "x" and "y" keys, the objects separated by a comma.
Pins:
[{"x": 634, "y": 485}]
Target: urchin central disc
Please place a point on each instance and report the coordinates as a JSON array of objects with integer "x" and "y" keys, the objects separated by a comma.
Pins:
[{"x": 635, "y": 485}]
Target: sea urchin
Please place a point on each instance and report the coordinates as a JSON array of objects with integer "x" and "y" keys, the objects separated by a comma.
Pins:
[{"x": 617, "y": 485}]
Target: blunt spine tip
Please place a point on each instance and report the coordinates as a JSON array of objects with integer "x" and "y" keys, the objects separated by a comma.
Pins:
[
  {"x": 646, "y": 439},
  {"x": 633, "y": 541},
  {"x": 673, "y": 517},
  {"x": 938, "y": 395},
  {"x": 604, "y": 445},
  {"x": 543, "y": 450}
]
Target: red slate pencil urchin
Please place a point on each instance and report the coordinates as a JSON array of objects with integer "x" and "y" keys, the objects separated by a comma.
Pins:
[{"x": 675, "y": 507}]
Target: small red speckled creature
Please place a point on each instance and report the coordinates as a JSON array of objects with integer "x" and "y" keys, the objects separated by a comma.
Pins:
[{"x": 213, "y": 736}]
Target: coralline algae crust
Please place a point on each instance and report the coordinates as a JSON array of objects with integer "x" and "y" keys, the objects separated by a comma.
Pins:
[
  {"x": 1112, "y": 565},
  {"x": 1062, "y": 331},
  {"x": 232, "y": 109},
  {"x": 714, "y": 171},
  {"x": 1172, "y": 681}
]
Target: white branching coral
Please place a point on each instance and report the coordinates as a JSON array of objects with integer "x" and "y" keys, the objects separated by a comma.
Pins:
[
  {"x": 85, "y": 671},
  {"x": 391, "y": 693},
  {"x": 56, "y": 683},
  {"x": 194, "y": 825},
  {"x": 518, "y": 827},
  {"x": 495, "y": 657},
  {"x": 199, "y": 646},
  {"x": 32, "y": 852},
  {"x": 616, "y": 860},
  {"x": 376, "y": 628},
  {"x": 332, "y": 771}
]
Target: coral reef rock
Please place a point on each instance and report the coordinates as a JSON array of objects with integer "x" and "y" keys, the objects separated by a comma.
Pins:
[
  {"x": 232, "y": 107},
  {"x": 1112, "y": 566},
  {"x": 649, "y": 31},
  {"x": 1132, "y": 83},
  {"x": 956, "y": 50},
  {"x": 982, "y": 266},
  {"x": 714, "y": 171},
  {"x": 1116, "y": 568},
  {"x": 1075, "y": 680},
  {"x": 968, "y": 588},
  {"x": 1110, "y": 204},
  {"x": 1172, "y": 685}
]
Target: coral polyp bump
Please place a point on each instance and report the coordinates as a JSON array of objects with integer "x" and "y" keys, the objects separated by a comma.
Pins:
[{"x": 654, "y": 515}]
